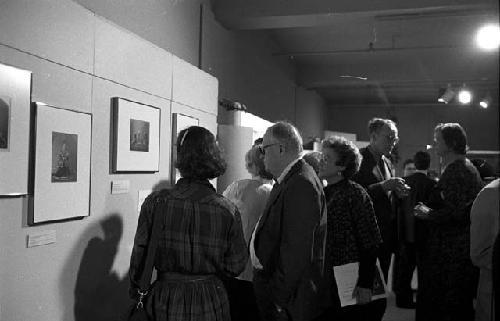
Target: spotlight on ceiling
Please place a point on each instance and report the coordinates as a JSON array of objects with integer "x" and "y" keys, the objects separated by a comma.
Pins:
[
  {"x": 464, "y": 96},
  {"x": 486, "y": 101},
  {"x": 446, "y": 94},
  {"x": 488, "y": 37}
]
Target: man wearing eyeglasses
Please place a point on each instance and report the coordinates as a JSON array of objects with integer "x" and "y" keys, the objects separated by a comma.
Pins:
[
  {"x": 376, "y": 174},
  {"x": 287, "y": 246}
]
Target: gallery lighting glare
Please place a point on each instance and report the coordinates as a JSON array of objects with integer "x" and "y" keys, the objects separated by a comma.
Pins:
[{"x": 488, "y": 37}]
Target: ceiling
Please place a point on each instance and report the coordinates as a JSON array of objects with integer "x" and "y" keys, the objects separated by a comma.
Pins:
[{"x": 375, "y": 52}]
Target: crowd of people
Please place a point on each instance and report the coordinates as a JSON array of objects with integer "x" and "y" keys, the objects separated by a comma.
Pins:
[{"x": 276, "y": 246}]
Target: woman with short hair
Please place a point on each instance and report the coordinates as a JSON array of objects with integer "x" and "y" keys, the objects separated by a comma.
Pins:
[
  {"x": 250, "y": 196},
  {"x": 353, "y": 234},
  {"x": 449, "y": 279},
  {"x": 201, "y": 238}
]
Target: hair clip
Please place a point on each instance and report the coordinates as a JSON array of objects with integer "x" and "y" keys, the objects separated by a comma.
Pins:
[{"x": 184, "y": 137}]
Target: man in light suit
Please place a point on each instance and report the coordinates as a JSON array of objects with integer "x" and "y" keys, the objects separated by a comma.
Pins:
[{"x": 287, "y": 246}]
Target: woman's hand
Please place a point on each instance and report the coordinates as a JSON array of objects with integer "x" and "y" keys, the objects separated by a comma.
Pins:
[{"x": 362, "y": 295}]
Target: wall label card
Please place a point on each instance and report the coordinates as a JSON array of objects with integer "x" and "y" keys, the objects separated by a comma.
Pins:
[
  {"x": 41, "y": 238},
  {"x": 120, "y": 187}
]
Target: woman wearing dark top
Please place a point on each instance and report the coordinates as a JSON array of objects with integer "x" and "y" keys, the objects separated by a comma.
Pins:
[
  {"x": 449, "y": 278},
  {"x": 353, "y": 234},
  {"x": 201, "y": 237}
]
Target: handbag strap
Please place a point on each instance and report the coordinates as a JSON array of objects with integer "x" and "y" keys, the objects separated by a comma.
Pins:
[{"x": 145, "y": 280}]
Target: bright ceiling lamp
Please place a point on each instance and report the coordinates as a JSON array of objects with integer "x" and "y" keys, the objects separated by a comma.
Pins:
[
  {"x": 464, "y": 96},
  {"x": 488, "y": 37}
]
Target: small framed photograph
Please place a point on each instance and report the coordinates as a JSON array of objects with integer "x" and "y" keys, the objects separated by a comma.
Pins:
[
  {"x": 179, "y": 122},
  {"x": 15, "y": 99},
  {"x": 135, "y": 136},
  {"x": 62, "y": 145}
]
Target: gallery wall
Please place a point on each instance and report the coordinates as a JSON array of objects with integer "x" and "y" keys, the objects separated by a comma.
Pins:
[
  {"x": 79, "y": 61},
  {"x": 243, "y": 62}
]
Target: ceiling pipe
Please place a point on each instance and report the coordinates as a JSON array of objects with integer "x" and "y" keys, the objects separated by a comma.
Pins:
[{"x": 370, "y": 49}]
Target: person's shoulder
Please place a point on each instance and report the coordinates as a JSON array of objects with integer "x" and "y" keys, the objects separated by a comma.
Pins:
[
  {"x": 356, "y": 188},
  {"x": 223, "y": 203},
  {"x": 265, "y": 188}
]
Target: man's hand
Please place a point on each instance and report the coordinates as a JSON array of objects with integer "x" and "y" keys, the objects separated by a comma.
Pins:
[
  {"x": 396, "y": 185},
  {"x": 362, "y": 295}
]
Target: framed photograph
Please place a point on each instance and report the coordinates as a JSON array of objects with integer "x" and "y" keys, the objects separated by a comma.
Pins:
[
  {"x": 179, "y": 122},
  {"x": 135, "y": 136},
  {"x": 15, "y": 99},
  {"x": 62, "y": 150}
]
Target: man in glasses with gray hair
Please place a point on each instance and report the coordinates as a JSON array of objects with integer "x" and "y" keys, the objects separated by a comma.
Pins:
[{"x": 287, "y": 246}]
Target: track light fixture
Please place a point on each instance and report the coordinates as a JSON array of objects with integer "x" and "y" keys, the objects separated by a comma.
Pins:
[
  {"x": 446, "y": 94},
  {"x": 232, "y": 105},
  {"x": 486, "y": 101}
]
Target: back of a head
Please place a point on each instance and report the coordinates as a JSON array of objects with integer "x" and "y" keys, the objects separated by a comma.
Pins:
[
  {"x": 288, "y": 136},
  {"x": 198, "y": 155},
  {"x": 422, "y": 160},
  {"x": 314, "y": 159},
  {"x": 254, "y": 157}
]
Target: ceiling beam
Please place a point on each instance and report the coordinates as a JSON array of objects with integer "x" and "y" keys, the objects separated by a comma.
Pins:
[{"x": 275, "y": 14}]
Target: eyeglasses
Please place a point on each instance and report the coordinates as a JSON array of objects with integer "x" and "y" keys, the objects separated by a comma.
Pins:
[{"x": 263, "y": 147}]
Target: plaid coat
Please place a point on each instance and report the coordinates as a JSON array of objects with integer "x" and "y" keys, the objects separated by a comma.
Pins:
[{"x": 201, "y": 235}]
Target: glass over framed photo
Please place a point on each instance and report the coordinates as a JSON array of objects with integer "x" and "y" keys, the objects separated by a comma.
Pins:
[
  {"x": 62, "y": 145},
  {"x": 136, "y": 136},
  {"x": 15, "y": 98},
  {"x": 179, "y": 122}
]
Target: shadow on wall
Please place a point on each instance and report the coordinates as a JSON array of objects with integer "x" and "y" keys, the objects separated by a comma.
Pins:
[{"x": 100, "y": 294}]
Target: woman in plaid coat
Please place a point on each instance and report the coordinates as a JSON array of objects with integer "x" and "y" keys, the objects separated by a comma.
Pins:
[{"x": 201, "y": 239}]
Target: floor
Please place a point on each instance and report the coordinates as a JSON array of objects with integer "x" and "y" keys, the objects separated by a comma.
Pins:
[{"x": 394, "y": 313}]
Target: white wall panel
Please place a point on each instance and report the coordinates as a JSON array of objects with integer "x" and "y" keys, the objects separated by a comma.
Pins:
[
  {"x": 58, "y": 30},
  {"x": 127, "y": 59},
  {"x": 194, "y": 87},
  {"x": 52, "y": 84}
]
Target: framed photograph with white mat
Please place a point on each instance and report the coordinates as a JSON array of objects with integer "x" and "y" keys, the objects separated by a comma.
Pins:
[
  {"x": 135, "y": 136},
  {"x": 61, "y": 165},
  {"x": 179, "y": 122},
  {"x": 15, "y": 99}
]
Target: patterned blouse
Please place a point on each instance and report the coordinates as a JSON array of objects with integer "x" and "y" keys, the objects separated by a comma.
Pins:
[
  {"x": 201, "y": 235},
  {"x": 353, "y": 233}
]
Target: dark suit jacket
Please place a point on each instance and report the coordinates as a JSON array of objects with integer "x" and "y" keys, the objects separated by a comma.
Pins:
[
  {"x": 370, "y": 177},
  {"x": 290, "y": 242},
  {"x": 421, "y": 188}
]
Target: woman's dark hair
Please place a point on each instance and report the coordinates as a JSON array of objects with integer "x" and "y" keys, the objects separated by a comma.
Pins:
[
  {"x": 454, "y": 137},
  {"x": 198, "y": 155},
  {"x": 254, "y": 157},
  {"x": 347, "y": 153}
]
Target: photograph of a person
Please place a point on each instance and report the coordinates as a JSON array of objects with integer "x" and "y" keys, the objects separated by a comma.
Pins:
[
  {"x": 139, "y": 135},
  {"x": 64, "y": 157},
  {"x": 4, "y": 122}
]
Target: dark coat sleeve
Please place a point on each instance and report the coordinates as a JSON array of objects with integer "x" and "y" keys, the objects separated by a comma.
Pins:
[{"x": 300, "y": 216}]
